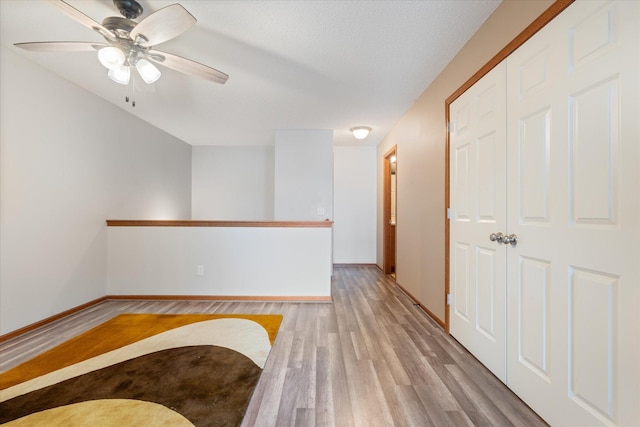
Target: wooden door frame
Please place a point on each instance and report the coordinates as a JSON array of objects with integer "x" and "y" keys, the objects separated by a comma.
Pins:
[
  {"x": 386, "y": 208},
  {"x": 552, "y": 11}
]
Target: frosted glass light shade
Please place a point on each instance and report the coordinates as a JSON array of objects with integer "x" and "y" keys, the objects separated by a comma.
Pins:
[
  {"x": 120, "y": 75},
  {"x": 111, "y": 57},
  {"x": 360, "y": 132},
  {"x": 148, "y": 71}
]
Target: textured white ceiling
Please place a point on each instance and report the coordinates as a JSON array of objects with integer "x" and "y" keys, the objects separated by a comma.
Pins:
[{"x": 292, "y": 64}]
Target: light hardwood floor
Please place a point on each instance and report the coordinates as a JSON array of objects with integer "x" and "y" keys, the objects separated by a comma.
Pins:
[{"x": 370, "y": 358}]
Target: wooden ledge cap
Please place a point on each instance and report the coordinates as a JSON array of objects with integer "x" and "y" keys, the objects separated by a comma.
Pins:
[{"x": 201, "y": 223}]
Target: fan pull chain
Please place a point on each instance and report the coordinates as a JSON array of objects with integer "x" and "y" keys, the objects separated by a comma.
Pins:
[
  {"x": 133, "y": 92},
  {"x": 126, "y": 97}
]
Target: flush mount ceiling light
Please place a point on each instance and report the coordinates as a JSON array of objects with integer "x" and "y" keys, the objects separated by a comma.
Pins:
[
  {"x": 360, "y": 132},
  {"x": 131, "y": 44}
]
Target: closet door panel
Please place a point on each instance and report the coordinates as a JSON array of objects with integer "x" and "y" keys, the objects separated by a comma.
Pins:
[
  {"x": 592, "y": 340},
  {"x": 533, "y": 212},
  {"x": 533, "y": 321},
  {"x": 534, "y": 168},
  {"x": 477, "y": 264},
  {"x": 594, "y": 149},
  {"x": 573, "y": 201}
]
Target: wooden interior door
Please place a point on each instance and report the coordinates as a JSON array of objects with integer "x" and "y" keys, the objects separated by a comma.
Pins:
[
  {"x": 389, "y": 207},
  {"x": 573, "y": 202},
  {"x": 477, "y": 276}
]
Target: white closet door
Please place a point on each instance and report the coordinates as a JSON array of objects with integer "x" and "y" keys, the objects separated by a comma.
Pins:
[
  {"x": 573, "y": 201},
  {"x": 478, "y": 208}
]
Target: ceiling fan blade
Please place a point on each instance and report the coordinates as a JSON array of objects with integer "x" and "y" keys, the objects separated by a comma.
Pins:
[
  {"x": 83, "y": 19},
  {"x": 163, "y": 25},
  {"x": 187, "y": 66},
  {"x": 60, "y": 46}
]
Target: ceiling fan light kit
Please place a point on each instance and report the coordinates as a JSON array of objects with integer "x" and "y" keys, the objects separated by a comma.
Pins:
[
  {"x": 120, "y": 75},
  {"x": 131, "y": 44},
  {"x": 148, "y": 71},
  {"x": 111, "y": 57}
]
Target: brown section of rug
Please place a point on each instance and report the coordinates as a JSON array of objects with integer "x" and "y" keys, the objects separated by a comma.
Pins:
[
  {"x": 209, "y": 385},
  {"x": 122, "y": 330}
]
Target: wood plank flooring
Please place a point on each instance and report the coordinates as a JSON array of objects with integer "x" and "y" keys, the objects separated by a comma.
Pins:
[{"x": 370, "y": 358}]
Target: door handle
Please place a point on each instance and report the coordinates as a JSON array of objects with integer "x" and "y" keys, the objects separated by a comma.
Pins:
[
  {"x": 496, "y": 237},
  {"x": 507, "y": 239},
  {"x": 510, "y": 239}
]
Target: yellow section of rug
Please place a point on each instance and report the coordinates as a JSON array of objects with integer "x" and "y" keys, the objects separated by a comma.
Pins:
[
  {"x": 120, "y": 331},
  {"x": 111, "y": 412}
]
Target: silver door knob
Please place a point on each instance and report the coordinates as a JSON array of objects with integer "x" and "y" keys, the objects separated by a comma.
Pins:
[
  {"x": 496, "y": 237},
  {"x": 510, "y": 239}
]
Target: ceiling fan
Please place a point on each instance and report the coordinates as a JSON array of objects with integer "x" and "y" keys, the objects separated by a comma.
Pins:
[{"x": 131, "y": 44}]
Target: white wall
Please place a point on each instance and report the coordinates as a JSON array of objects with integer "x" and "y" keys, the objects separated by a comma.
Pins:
[
  {"x": 354, "y": 229},
  {"x": 232, "y": 183},
  {"x": 236, "y": 261},
  {"x": 303, "y": 185},
  {"x": 237, "y": 183},
  {"x": 65, "y": 167}
]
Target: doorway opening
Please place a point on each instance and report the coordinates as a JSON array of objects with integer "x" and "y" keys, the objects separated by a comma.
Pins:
[{"x": 390, "y": 167}]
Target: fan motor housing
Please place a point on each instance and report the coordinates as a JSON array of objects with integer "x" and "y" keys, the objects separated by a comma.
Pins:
[
  {"x": 130, "y": 9},
  {"x": 118, "y": 25}
]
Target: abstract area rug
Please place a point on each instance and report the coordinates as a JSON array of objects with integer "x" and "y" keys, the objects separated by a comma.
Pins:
[{"x": 144, "y": 370}]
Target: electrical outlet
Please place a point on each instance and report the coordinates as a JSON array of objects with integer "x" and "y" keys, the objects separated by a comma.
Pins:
[{"x": 201, "y": 270}]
